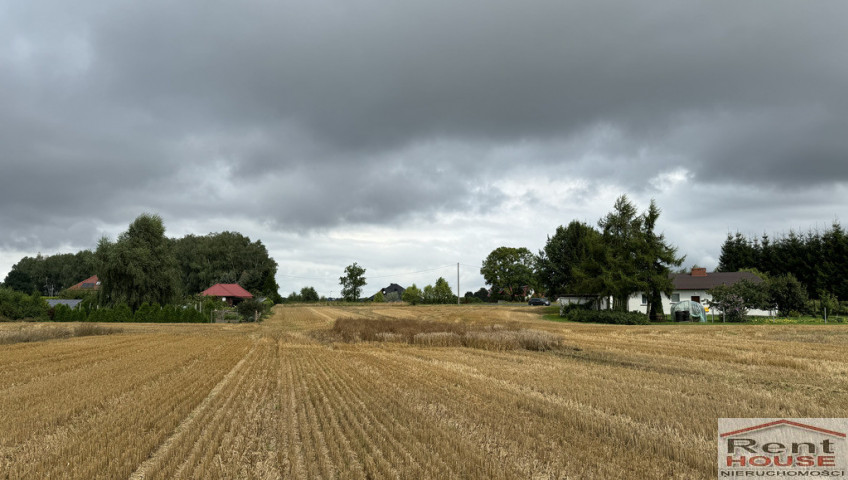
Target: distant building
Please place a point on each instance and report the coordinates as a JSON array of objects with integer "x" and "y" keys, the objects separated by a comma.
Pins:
[
  {"x": 91, "y": 284},
  {"x": 393, "y": 288},
  {"x": 232, "y": 293},
  {"x": 693, "y": 286},
  {"x": 72, "y": 303}
]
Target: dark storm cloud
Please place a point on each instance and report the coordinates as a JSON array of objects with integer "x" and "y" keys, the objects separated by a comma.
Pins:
[
  {"x": 314, "y": 114},
  {"x": 368, "y": 76}
]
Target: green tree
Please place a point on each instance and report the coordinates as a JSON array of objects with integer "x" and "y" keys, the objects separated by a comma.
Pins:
[
  {"x": 308, "y": 294},
  {"x": 294, "y": 297},
  {"x": 654, "y": 259},
  {"x": 754, "y": 295},
  {"x": 50, "y": 274},
  {"x": 15, "y": 305},
  {"x": 139, "y": 267},
  {"x": 566, "y": 250},
  {"x": 352, "y": 282},
  {"x": 787, "y": 294},
  {"x": 427, "y": 295},
  {"x": 250, "y": 308},
  {"x": 442, "y": 292},
  {"x": 829, "y": 303},
  {"x": 629, "y": 256},
  {"x": 412, "y": 295},
  {"x": 226, "y": 257},
  {"x": 510, "y": 271},
  {"x": 621, "y": 230},
  {"x": 379, "y": 298}
]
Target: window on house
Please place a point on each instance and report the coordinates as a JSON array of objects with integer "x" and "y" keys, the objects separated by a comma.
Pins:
[
  {"x": 675, "y": 297},
  {"x": 644, "y": 299}
]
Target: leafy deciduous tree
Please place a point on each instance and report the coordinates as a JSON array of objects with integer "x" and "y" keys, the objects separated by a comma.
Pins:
[
  {"x": 567, "y": 249},
  {"x": 509, "y": 270},
  {"x": 308, "y": 294},
  {"x": 352, "y": 282},
  {"x": 412, "y": 295},
  {"x": 139, "y": 267}
]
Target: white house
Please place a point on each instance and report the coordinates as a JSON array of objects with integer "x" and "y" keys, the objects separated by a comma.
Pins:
[{"x": 694, "y": 286}]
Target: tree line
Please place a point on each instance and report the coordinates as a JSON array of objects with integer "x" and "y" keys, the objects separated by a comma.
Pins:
[
  {"x": 816, "y": 259},
  {"x": 49, "y": 275},
  {"x": 143, "y": 266},
  {"x": 625, "y": 254}
]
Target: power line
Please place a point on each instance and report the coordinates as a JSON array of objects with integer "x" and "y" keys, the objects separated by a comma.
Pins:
[
  {"x": 414, "y": 273},
  {"x": 370, "y": 276}
]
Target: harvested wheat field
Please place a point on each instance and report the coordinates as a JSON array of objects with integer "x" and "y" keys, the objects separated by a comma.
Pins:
[{"x": 401, "y": 392}]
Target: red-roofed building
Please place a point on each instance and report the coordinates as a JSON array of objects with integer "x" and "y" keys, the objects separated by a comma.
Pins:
[
  {"x": 232, "y": 293},
  {"x": 91, "y": 284}
]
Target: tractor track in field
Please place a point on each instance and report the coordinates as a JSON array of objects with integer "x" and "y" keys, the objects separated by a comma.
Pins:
[{"x": 187, "y": 423}]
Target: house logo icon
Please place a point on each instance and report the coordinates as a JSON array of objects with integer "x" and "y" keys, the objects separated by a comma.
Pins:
[{"x": 784, "y": 447}]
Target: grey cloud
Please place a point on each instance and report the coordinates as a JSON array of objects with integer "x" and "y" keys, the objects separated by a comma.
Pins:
[{"x": 318, "y": 114}]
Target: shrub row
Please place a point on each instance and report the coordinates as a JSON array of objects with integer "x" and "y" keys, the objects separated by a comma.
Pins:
[
  {"x": 18, "y": 306},
  {"x": 607, "y": 316},
  {"x": 122, "y": 313}
]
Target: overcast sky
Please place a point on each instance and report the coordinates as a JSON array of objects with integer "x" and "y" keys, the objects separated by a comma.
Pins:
[{"x": 409, "y": 136}]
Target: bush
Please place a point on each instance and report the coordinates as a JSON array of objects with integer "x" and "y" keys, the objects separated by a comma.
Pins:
[
  {"x": 787, "y": 294},
  {"x": 564, "y": 310},
  {"x": 100, "y": 315},
  {"x": 607, "y": 316},
  {"x": 733, "y": 307},
  {"x": 64, "y": 313},
  {"x": 121, "y": 313},
  {"x": 18, "y": 306},
  {"x": 146, "y": 313},
  {"x": 247, "y": 309},
  {"x": 412, "y": 295}
]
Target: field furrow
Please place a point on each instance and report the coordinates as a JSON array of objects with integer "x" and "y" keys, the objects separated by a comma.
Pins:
[{"x": 294, "y": 398}]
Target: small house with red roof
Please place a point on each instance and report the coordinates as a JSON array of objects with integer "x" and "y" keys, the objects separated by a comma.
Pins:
[
  {"x": 232, "y": 293},
  {"x": 91, "y": 284}
]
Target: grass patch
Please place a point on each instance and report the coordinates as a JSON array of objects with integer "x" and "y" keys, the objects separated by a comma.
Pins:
[
  {"x": 441, "y": 334},
  {"x": 31, "y": 334}
]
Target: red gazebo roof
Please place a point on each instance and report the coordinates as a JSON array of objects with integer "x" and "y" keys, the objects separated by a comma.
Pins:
[{"x": 227, "y": 290}]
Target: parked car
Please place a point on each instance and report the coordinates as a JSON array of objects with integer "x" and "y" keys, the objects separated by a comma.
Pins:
[{"x": 539, "y": 301}]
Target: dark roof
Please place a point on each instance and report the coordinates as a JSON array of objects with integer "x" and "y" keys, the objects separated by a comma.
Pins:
[
  {"x": 687, "y": 281},
  {"x": 52, "y": 302},
  {"x": 227, "y": 290},
  {"x": 393, "y": 288}
]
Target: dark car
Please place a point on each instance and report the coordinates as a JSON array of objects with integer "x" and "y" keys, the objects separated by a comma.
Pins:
[{"x": 539, "y": 301}]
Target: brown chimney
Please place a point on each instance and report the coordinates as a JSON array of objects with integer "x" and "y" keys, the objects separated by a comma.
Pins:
[{"x": 699, "y": 272}]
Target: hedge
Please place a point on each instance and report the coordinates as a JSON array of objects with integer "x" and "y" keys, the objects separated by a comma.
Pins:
[
  {"x": 18, "y": 306},
  {"x": 606, "y": 316},
  {"x": 122, "y": 313}
]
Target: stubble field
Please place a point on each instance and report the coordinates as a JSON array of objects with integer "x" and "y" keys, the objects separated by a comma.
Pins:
[{"x": 294, "y": 398}]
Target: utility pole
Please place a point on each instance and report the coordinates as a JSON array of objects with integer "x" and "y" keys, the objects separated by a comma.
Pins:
[{"x": 457, "y": 283}]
